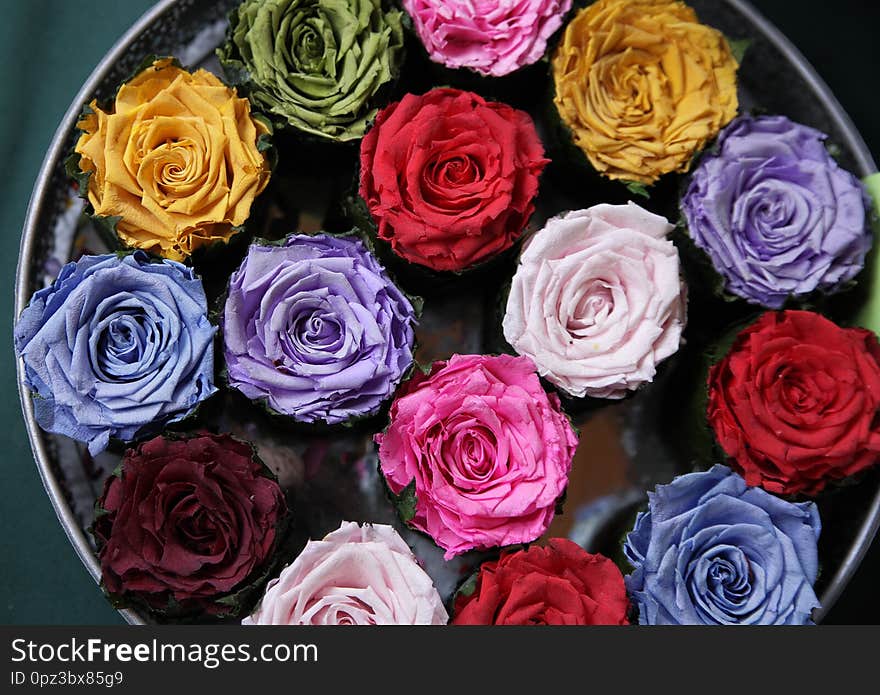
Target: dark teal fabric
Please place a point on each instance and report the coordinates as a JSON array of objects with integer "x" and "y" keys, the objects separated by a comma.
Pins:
[{"x": 47, "y": 49}]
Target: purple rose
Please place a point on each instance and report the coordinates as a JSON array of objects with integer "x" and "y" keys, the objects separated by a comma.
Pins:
[
  {"x": 316, "y": 328},
  {"x": 775, "y": 213}
]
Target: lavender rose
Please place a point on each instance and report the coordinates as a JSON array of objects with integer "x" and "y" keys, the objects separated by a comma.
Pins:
[
  {"x": 357, "y": 575},
  {"x": 597, "y": 301},
  {"x": 491, "y": 37},
  {"x": 775, "y": 213},
  {"x": 316, "y": 328},
  {"x": 117, "y": 347}
]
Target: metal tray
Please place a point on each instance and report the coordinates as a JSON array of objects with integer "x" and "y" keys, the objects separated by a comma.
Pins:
[{"x": 331, "y": 478}]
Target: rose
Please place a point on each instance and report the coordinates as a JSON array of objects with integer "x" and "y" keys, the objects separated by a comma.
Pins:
[
  {"x": 710, "y": 550},
  {"x": 643, "y": 86},
  {"x": 176, "y": 159},
  {"x": 559, "y": 584},
  {"x": 795, "y": 402},
  {"x": 188, "y": 524},
  {"x": 775, "y": 213},
  {"x": 596, "y": 300},
  {"x": 449, "y": 178},
  {"x": 478, "y": 451},
  {"x": 116, "y": 347},
  {"x": 316, "y": 328},
  {"x": 493, "y": 38},
  {"x": 318, "y": 65},
  {"x": 357, "y": 575}
]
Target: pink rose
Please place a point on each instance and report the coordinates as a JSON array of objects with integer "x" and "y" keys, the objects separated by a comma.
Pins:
[
  {"x": 488, "y": 451},
  {"x": 492, "y": 37},
  {"x": 357, "y": 575},
  {"x": 597, "y": 300}
]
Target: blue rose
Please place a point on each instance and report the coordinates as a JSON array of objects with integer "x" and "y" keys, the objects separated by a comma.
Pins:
[
  {"x": 710, "y": 550},
  {"x": 117, "y": 347}
]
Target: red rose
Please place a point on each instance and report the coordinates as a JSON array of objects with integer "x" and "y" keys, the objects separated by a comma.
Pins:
[
  {"x": 795, "y": 402},
  {"x": 449, "y": 178},
  {"x": 187, "y": 521},
  {"x": 560, "y": 584}
]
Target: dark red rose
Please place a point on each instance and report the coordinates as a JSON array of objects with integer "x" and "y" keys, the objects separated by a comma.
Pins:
[
  {"x": 795, "y": 402},
  {"x": 560, "y": 584},
  {"x": 187, "y": 521},
  {"x": 449, "y": 178}
]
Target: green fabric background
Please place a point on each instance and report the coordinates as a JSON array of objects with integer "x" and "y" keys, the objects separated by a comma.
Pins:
[{"x": 47, "y": 49}]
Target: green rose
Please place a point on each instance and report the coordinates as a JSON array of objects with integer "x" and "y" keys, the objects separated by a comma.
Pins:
[{"x": 315, "y": 64}]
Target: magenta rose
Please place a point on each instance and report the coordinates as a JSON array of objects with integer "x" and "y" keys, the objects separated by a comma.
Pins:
[
  {"x": 492, "y": 37},
  {"x": 477, "y": 453}
]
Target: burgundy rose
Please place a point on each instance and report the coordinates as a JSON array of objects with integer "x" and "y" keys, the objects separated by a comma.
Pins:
[{"x": 187, "y": 524}]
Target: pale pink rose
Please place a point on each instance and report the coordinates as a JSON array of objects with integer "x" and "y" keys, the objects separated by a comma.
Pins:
[
  {"x": 492, "y": 37},
  {"x": 489, "y": 450},
  {"x": 597, "y": 300},
  {"x": 357, "y": 575}
]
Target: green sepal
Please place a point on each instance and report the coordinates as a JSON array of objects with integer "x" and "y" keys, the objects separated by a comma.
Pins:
[
  {"x": 638, "y": 189},
  {"x": 106, "y": 227},
  {"x": 739, "y": 48},
  {"x": 465, "y": 590},
  {"x": 266, "y": 143},
  {"x": 73, "y": 171},
  {"x": 405, "y": 502},
  {"x": 469, "y": 586},
  {"x": 619, "y": 558},
  {"x": 559, "y": 509},
  {"x": 72, "y": 162},
  {"x": 424, "y": 368}
]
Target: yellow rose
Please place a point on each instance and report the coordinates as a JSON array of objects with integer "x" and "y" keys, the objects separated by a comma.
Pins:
[
  {"x": 176, "y": 159},
  {"x": 642, "y": 85}
]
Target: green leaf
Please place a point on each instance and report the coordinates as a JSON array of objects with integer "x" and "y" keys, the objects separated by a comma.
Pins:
[
  {"x": 406, "y": 503},
  {"x": 418, "y": 303},
  {"x": 739, "y": 47},
  {"x": 424, "y": 368},
  {"x": 107, "y": 225},
  {"x": 638, "y": 189},
  {"x": 264, "y": 142},
  {"x": 469, "y": 587},
  {"x": 72, "y": 168}
]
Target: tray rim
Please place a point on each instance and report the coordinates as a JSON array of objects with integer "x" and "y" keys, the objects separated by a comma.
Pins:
[{"x": 55, "y": 154}]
